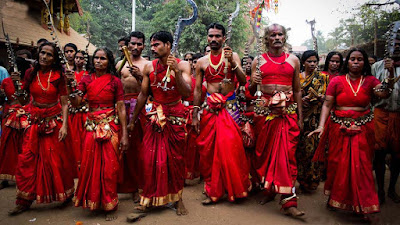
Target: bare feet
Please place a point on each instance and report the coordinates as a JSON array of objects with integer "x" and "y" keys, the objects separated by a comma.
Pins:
[
  {"x": 373, "y": 219},
  {"x": 133, "y": 217},
  {"x": 141, "y": 209},
  {"x": 136, "y": 197},
  {"x": 394, "y": 196},
  {"x": 66, "y": 203},
  {"x": 18, "y": 210},
  {"x": 207, "y": 201},
  {"x": 293, "y": 211},
  {"x": 111, "y": 215},
  {"x": 266, "y": 199},
  {"x": 180, "y": 208}
]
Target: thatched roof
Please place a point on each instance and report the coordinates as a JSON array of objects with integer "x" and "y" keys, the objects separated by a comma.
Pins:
[{"x": 23, "y": 27}]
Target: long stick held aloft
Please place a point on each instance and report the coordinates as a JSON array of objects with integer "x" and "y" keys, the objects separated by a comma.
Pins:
[
  {"x": 10, "y": 51},
  {"x": 54, "y": 36}
]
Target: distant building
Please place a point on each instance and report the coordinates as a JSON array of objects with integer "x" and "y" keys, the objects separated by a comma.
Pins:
[{"x": 26, "y": 22}]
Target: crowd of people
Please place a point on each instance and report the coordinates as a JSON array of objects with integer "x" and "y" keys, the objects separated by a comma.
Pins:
[{"x": 130, "y": 125}]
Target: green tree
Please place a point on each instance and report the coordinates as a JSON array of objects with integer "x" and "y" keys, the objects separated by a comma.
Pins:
[{"x": 110, "y": 20}]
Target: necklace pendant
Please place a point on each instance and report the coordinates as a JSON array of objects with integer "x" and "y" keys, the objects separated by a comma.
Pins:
[{"x": 355, "y": 94}]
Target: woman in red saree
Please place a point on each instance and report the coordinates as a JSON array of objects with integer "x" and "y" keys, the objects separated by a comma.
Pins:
[
  {"x": 77, "y": 115},
  {"x": 349, "y": 134},
  {"x": 15, "y": 120},
  {"x": 105, "y": 132},
  {"x": 333, "y": 65},
  {"x": 45, "y": 169}
]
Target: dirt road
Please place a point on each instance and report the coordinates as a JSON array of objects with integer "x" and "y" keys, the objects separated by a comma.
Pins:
[{"x": 246, "y": 212}]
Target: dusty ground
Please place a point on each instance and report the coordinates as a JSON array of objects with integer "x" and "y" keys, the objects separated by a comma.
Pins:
[{"x": 246, "y": 212}]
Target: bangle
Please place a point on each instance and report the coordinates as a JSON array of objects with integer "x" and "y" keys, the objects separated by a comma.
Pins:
[
  {"x": 196, "y": 106},
  {"x": 321, "y": 127},
  {"x": 235, "y": 67},
  {"x": 390, "y": 79}
]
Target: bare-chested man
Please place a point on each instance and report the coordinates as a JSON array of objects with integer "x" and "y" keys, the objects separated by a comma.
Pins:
[
  {"x": 131, "y": 77},
  {"x": 220, "y": 142}
]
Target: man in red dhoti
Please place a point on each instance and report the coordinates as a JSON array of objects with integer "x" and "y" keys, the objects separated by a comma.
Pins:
[
  {"x": 220, "y": 142},
  {"x": 164, "y": 131},
  {"x": 277, "y": 125},
  {"x": 130, "y": 163},
  {"x": 192, "y": 157}
]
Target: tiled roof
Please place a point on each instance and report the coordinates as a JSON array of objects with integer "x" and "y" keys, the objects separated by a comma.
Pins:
[{"x": 24, "y": 25}]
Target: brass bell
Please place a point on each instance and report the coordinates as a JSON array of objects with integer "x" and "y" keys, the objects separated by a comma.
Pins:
[
  {"x": 89, "y": 127},
  {"x": 234, "y": 108},
  {"x": 173, "y": 122},
  {"x": 180, "y": 123},
  {"x": 107, "y": 127},
  {"x": 230, "y": 106},
  {"x": 83, "y": 107},
  {"x": 116, "y": 121}
]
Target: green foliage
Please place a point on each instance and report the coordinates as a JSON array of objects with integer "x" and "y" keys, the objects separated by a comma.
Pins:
[
  {"x": 358, "y": 29},
  {"x": 110, "y": 20}
]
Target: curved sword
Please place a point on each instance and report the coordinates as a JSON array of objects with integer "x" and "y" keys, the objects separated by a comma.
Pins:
[
  {"x": 10, "y": 51},
  {"x": 181, "y": 24},
  {"x": 178, "y": 30},
  {"x": 231, "y": 17}
]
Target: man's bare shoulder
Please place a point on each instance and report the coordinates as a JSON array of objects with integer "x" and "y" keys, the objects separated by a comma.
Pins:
[{"x": 118, "y": 64}]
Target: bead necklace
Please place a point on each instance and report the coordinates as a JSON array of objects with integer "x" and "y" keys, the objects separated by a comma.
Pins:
[
  {"x": 359, "y": 84},
  {"x": 48, "y": 81},
  {"x": 286, "y": 57}
]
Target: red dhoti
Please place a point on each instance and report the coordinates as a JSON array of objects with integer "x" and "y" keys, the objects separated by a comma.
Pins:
[
  {"x": 192, "y": 156},
  {"x": 277, "y": 138},
  {"x": 45, "y": 170},
  {"x": 14, "y": 123},
  {"x": 131, "y": 162},
  {"x": 350, "y": 182},
  {"x": 163, "y": 163},
  {"x": 222, "y": 156},
  {"x": 97, "y": 186}
]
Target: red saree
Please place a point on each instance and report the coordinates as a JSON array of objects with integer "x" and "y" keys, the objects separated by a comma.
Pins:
[
  {"x": 222, "y": 155},
  {"x": 45, "y": 167},
  {"x": 97, "y": 186},
  {"x": 76, "y": 120},
  {"x": 15, "y": 121},
  {"x": 350, "y": 182}
]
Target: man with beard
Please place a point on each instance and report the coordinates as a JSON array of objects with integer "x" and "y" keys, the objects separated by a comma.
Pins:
[
  {"x": 164, "y": 130},
  {"x": 220, "y": 143},
  {"x": 131, "y": 77},
  {"x": 277, "y": 126},
  {"x": 387, "y": 124}
]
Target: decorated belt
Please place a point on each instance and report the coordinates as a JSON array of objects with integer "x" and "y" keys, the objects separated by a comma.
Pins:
[
  {"x": 265, "y": 110},
  {"x": 176, "y": 120},
  {"x": 46, "y": 120},
  {"x": 245, "y": 119},
  {"x": 91, "y": 125},
  {"x": 229, "y": 105},
  {"x": 348, "y": 122},
  {"x": 81, "y": 108}
]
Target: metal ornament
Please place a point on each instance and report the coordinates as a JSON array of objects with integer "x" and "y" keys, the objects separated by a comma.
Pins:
[
  {"x": 53, "y": 33},
  {"x": 392, "y": 34},
  {"x": 178, "y": 30},
  {"x": 228, "y": 39},
  {"x": 12, "y": 61}
]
